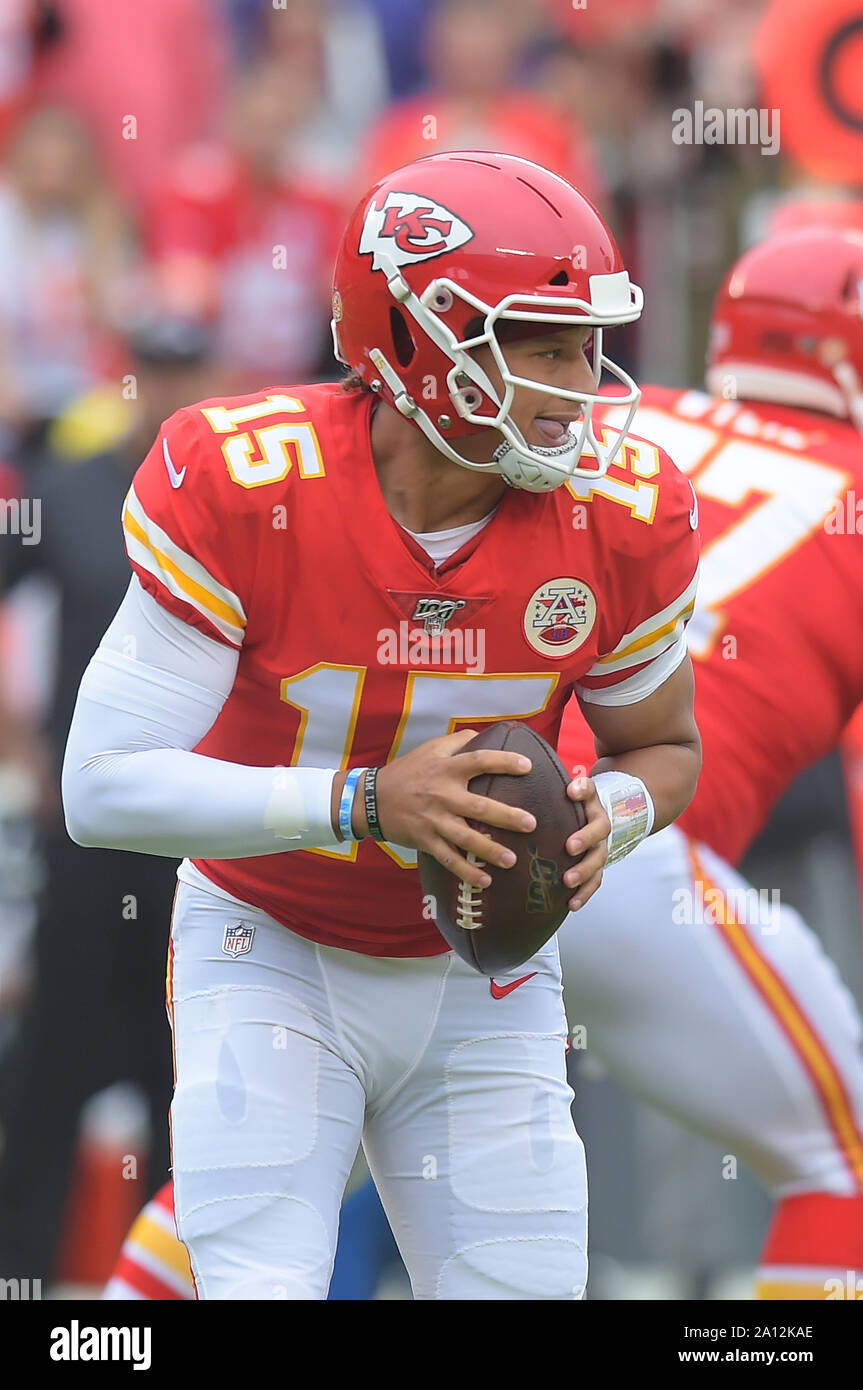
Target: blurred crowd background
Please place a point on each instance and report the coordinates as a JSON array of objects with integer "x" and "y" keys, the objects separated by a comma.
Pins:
[{"x": 174, "y": 179}]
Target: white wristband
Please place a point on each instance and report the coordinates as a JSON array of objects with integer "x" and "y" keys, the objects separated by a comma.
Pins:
[{"x": 629, "y": 806}]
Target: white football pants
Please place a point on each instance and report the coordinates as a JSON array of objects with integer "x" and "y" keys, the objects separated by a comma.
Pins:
[
  {"x": 717, "y": 1004},
  {"x": 289, "y": 1054}
]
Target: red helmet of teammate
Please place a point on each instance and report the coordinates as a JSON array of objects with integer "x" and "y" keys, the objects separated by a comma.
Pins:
[
  {"x": 458, "y": 251},
  {"x": 788, "y": 323}
]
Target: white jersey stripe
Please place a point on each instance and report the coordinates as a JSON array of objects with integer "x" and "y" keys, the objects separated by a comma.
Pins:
[
  {"x": 652, "y": 637},
  {"x": 634, "y": 688},
  {"x": 140, "y": 1255},
  {"x": 184, "y": 577}
]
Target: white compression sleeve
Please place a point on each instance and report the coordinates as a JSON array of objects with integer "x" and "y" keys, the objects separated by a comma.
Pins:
[{"x": 153, "y": 689}]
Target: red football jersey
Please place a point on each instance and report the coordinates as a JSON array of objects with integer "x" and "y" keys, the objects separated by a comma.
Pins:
[
  {"x": 354, "y": 648},
  {"x": 777, "y": 636}
]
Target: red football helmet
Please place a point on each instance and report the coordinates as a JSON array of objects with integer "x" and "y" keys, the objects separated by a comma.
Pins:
[
  {"x": 435, "y": 257},
  {"x": 788, "y": 323}
]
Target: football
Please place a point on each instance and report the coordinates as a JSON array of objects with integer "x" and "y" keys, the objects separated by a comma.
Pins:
[{"x": 498, "y": 928}]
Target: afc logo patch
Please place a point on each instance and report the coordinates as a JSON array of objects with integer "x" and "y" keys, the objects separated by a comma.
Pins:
[
  {"x": 238, "y": 939},
  {"x": 408, "y": 228},
  {"x": 559, "y": 617}
]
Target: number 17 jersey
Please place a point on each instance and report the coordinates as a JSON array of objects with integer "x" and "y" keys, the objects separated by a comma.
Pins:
[
  {"x": 777, "y": 634},
  {"x": 260, "y": 521}
]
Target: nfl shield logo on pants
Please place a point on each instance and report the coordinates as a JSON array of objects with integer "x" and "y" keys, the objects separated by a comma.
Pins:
[{"x": 238, "y": 939}]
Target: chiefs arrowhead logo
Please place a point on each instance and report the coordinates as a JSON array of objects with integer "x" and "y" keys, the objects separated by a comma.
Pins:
[{"x": 408, "y": 228}]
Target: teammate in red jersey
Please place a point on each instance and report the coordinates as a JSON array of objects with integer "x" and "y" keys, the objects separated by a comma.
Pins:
[
  {"x": 714, "y": 1002},
  {"x": 252, "y": 707}
]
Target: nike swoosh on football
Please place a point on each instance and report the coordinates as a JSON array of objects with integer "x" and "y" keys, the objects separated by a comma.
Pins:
[
  {"x": 501, "y": 991},
  {"x": 176, "y": 478}
]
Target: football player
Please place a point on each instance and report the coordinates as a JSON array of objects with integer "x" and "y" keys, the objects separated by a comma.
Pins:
[
  {"x": 253, "y": 708},
  {"x": 712, "y": 1001}
]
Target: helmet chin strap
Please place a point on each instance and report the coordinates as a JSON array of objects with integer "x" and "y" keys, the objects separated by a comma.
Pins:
[
  {"x": 523, "y": 471},
  {"x": 514, "y": 460}
]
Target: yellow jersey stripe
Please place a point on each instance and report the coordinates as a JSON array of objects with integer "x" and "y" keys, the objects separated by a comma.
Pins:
[
  {"x": 160, "y": 1245},
  {"x": 159, "y": 539},
  {"x": 196, "y": 592},
  {"x": 651, "y": 637},
  {"x": 776, "y": 1289},
  {"x": 623, "y": 657}
]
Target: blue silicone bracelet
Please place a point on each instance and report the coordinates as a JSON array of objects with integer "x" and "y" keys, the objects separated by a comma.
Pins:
[{"x": 349, "y": 791}]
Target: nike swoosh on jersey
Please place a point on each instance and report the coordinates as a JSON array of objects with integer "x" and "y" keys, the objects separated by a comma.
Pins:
[
  {"x": 501, "y": 991},
  {"x": 176, "y": 478}
]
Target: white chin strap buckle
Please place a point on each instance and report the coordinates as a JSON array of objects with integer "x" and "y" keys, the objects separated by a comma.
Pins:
[{"x": 532, "y": 475}]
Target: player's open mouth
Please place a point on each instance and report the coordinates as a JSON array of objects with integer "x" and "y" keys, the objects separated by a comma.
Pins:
[{"x": 554, "y": 429}]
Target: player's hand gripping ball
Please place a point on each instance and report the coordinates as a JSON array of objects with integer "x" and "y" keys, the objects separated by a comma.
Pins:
[{"x": 498, "y": 928}]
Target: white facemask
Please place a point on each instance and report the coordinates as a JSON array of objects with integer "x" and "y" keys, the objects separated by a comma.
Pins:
[{"x": 613, "y": 300}]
